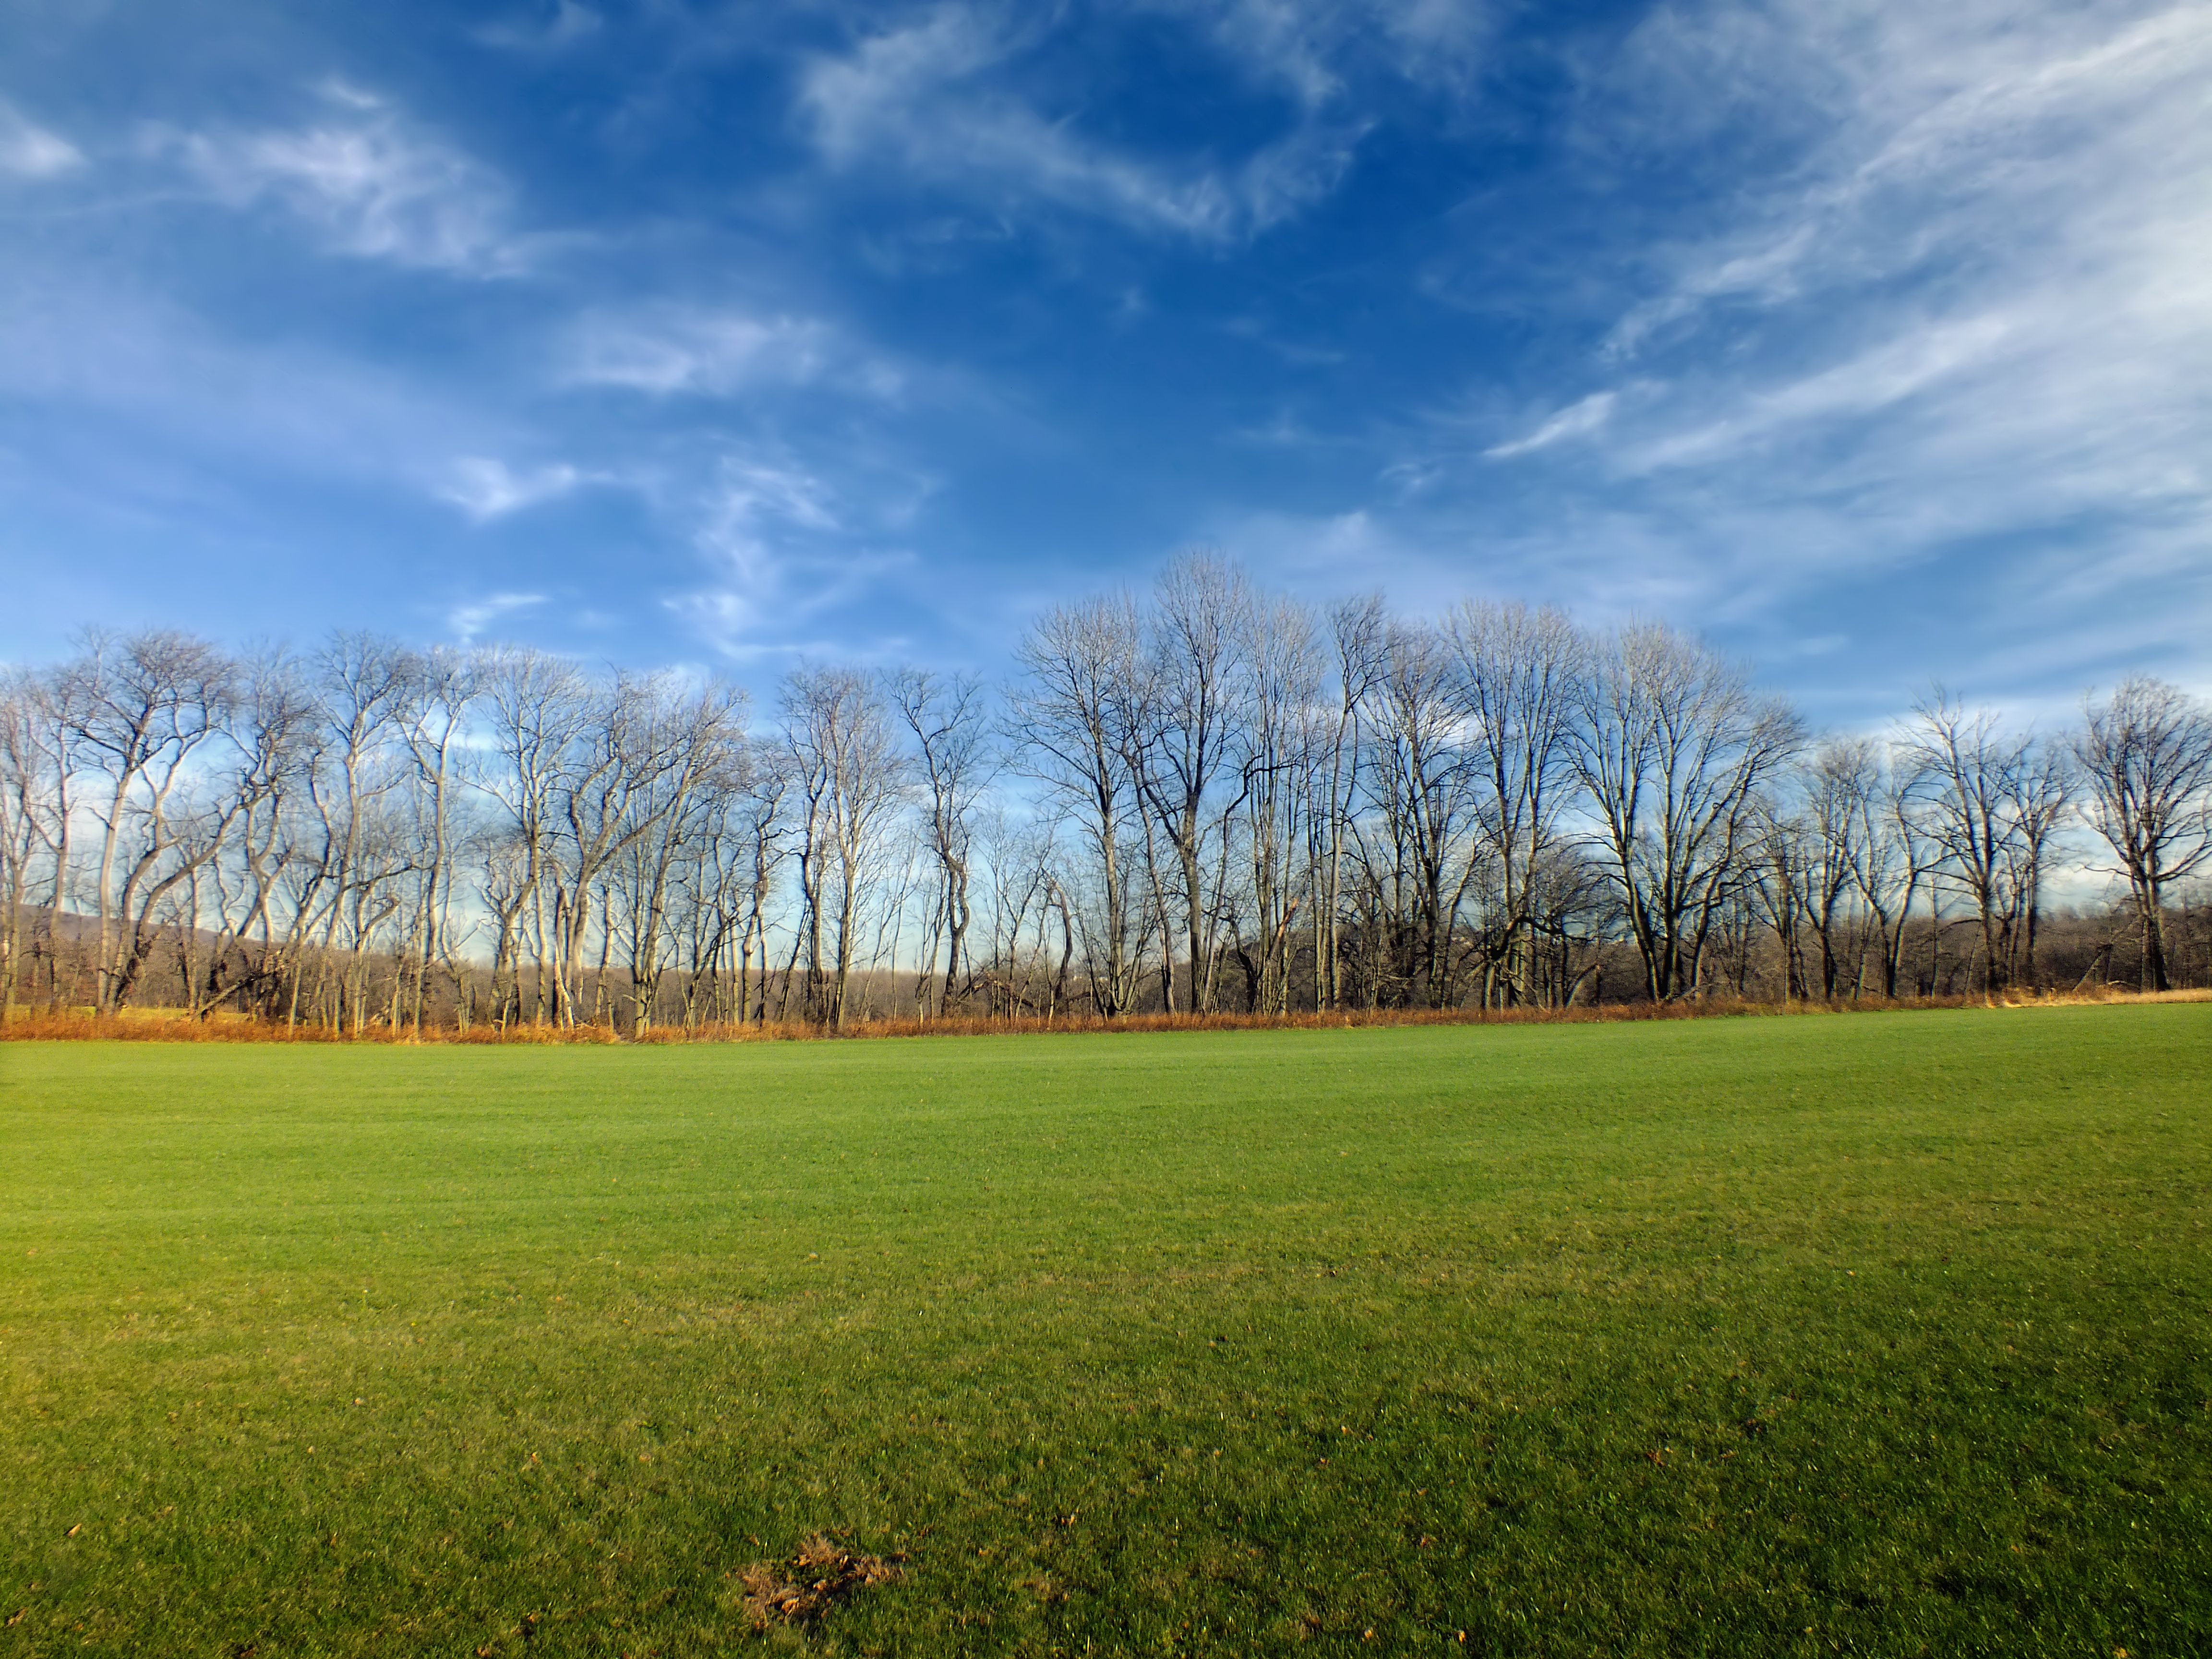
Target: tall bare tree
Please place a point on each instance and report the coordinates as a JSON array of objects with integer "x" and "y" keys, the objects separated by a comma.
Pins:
[
  {"x": 1893, "y": 855},
  {"x": 1069, "y": 726},
  {"x": 1421, "y": 856},
  {"x": 441, "y": 691},
  {"x": 684, "y": 752},
  {"x": 853, "y": 776},
  {"x": 1194, "y": 629},
  {"x": 1839, "y": 787},
  {"x": 1359, "y": 633},
  {"x": 1970, "y": 779},
  {"x": 359, "y": 686},
  {"x": 1673, "y": 746},
  {"x": 34, "y": 821},
  {"x": 259, "y": 936},
  {"x": 1518, "y": 672},
  {"x": 761, "y": 812},
  {"x": 1285, "y": 734},
  {"x": 536, "y": 708},
  {"x": 956, "y": 761},
  {"x": 138, "y": 708},
  {"x": 1784, "y": 853},
  {"x": 2146, "y": 760},
  {"x": 2042, "y": 797}
]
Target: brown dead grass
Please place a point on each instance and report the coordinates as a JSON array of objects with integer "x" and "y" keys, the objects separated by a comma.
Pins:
[
  {"x": 162, "y": 1026},
  {"x": 1346, "y": 1018},
  {"x": 819, "y": 1575},
  {"x": 2110, "y": 994}
]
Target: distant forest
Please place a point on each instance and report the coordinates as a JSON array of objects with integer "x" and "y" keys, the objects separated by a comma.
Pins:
[{"x": 1208, "y": 797}]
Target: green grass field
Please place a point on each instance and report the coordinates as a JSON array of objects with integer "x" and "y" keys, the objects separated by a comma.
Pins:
[{"x": 1873, "y": 1335}]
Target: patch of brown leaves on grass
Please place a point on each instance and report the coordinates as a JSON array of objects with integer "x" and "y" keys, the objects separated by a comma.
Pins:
[{"x": 821, "y": 1574}]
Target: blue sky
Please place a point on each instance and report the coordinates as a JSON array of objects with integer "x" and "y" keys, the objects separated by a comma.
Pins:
[{"x": 1872, "y": 339}]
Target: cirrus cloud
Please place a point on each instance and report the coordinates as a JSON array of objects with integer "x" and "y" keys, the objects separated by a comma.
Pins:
[
  {"x": 31, "y": 151},
  {"x": 368, "y": 181}
]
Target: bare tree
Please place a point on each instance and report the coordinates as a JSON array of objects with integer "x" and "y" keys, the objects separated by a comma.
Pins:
[
  {"x": 1285, "y": 736},
  {"x": 536, "y": 707},
  {"x": 634, "y": 762},
  {"x": 138, "y": 708},
  {"x": 1421, "y": 857},
  {"x": 2042, "y": 798},
  {"x": 1570, "y": 906},
  {"x": 851, "y": 777},
  {"x": 1782, "y": 850},
  {"x": 1672, "y": 747},
  {"x": 684, "y": 753},
  {"x": 2146, "y": 760},
  {"x": 1970, "y": 779},
  {"x": 359, "y": 686},
  {"x": 273, "y": 737},
  {"x": 950, "y": 719},
  {"x": 1838, "y": 787},
  {"x": 1518, "y": 671},
  {"x": 40, "y": 780},
  {"x": 764, "y": 827},
  {"x": 1892, "y": 857},
  {"x": 442, "y": 691},
  {"x": 1358, "y": 639},
  {"x": 33, "y": 819},
  {"x": 1187, "y": 738},
  {"x": 1067, "y": 724}
]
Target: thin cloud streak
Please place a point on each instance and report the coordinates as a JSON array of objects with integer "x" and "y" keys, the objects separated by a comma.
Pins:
[
  {"x": 668, "y": 350},
  {"x": 467, "y": 623},
  {"x": 1986, "y": 321},
  {"x": 485, "y": 489},
  {"x": 30, "y": 151},
  {"x": 1577, "y": 420},
  {"x": 1760, "y": 318},
  {"x": 372, "y": 186},
  {"x": 921, "y": 100}
]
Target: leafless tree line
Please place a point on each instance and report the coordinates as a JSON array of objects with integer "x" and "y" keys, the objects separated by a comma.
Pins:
[{"x": 1206, "y": 798}]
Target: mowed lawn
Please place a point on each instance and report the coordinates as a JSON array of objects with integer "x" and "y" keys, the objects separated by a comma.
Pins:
[{"x": 1870, "y": 1334}]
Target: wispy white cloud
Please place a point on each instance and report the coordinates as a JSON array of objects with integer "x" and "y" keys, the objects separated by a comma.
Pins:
[
  {"x": 1887, "y": 374},
  {"x": 753, "y": 505},
  {"x": 1968, "y": 134},
  {"x": 724, "y": 619},
  {"x": 1768, "y": 272},
  {"x": 1315, "y": 48},
  {"x": 925, "y": 99},
  {"x": 484, "y": 489},
  {"x": 691, "y": 349},
  {"x": 467, "y": 620},
  {"x": 372, "y": 184},
  {"x": 751, "y": 622},
  {"x": 1577, "y": 420},
  {"x": 783, "y": 546},
  {"x": 1974, "y": 311},
  {"x": 30, "y": 151}
]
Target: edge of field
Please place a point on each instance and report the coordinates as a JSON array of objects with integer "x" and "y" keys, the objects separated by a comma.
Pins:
[{"x": 166, "y": 1026}]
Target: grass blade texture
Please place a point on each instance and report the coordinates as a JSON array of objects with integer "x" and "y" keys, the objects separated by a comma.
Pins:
[{"x": 1877, "y": 1335}]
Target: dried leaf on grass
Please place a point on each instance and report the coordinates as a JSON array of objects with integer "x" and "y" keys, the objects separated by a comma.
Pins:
[{"x": 820, "y": 1574}]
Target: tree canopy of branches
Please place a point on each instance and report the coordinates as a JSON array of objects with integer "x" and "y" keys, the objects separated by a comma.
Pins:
[
  {"x": 2146, "y": 763},
  {"x": 1203, "y": 796}
]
